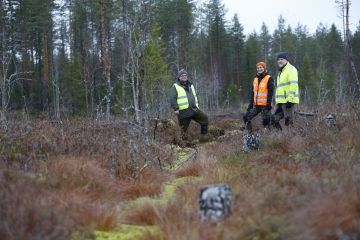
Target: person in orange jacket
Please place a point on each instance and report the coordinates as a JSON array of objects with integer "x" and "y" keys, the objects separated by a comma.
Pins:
[{"x": 260, "y": 97}]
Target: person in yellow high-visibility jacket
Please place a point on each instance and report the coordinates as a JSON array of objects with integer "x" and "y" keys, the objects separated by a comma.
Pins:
[
  {"x": 287, "y": 91},
  {"x": 184, "y": 101}
]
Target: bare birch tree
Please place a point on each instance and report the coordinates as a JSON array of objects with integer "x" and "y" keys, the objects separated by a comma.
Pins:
[
  {"x": 7, "y": 78},
  {"x": 134, "y": 54},
  {"x": 7, "y": 81},
  {"x": 344, "y": 9},
  {"x": 105, "y": 5}
]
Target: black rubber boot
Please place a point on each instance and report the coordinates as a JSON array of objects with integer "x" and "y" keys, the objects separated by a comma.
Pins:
[
  {"x": 277, "y": 126},
  {"x": 288, "y": 122},
  {"x": 204, "y": 129},
  {"x": 248, "y": 126}
]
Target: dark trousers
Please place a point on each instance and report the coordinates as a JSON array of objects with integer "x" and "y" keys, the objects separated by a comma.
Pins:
[
  {"x": 253, "y": 112},
  {"x": 281, "y": 111},
  {"x": 198, "y": 117}
]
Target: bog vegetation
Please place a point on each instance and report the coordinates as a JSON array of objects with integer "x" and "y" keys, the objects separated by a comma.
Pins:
[
  {"x": 77, "y": 179},
  {"x": 88, "y": 148}
]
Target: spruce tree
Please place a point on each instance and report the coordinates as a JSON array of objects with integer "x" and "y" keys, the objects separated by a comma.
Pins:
[{"x": 157, "y": 79}]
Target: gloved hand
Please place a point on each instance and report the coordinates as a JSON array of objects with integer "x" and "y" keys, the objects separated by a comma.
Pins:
[{"x": 288, "y": 105}]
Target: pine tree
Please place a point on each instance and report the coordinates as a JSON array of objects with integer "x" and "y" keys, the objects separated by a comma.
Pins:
[
  {"x": 289, "y": 44},
  {"x": 265, "y": 39},
  {"x": 157, "y": 79},
  {"x": 79, "y": 31},
  {"x": 252, "y": 56},
  {"x": 333, "y": 54},
  {"x": 356, "y": 47},
  {"x": 175, "y": 18},
  {"x": 303, "y": 42},
  {"x": 238, "y": 42},
  {"x": 278, "y": 36},
  {"x": 307, "y": 81}
]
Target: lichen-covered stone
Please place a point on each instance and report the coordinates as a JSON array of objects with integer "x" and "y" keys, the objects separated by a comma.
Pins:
[
  {"x": 215, "y": 202},
  {"x": 251, "y": 142},
  {"x": 330, "y": 119}
]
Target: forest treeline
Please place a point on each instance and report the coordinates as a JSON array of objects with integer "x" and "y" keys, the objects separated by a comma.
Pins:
[{"x": 107, "y": 57}]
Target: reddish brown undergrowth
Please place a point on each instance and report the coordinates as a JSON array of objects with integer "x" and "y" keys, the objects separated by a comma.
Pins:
[
  {"x": 150, "y": 183},
  {"x": 301, "y": 184},
  {"x": 193, "y": 169},
  {"x": 28, "y": 211}
]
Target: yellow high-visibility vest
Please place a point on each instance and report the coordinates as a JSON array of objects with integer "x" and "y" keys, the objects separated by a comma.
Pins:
[
  {"x": 287, "y": 89},
  {"x": 182, "y": 99}
]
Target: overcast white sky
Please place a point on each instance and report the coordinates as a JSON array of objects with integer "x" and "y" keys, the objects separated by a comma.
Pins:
[{"x": 308, "y": 12}]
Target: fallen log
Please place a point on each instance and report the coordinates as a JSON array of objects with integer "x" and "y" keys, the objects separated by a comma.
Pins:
[{"x": 305, "y": 114}]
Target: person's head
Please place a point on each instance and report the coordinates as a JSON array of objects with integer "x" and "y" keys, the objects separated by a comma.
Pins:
[
  {"x": 182, "y": 75},
  {"x": 260, "y": 68},
  {"x": 282, "y": 59}
]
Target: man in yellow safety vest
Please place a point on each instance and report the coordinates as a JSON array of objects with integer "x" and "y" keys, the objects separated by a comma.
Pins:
[
  {"x": 287, "y": 91},
  {"x": 185, "y": 104}
]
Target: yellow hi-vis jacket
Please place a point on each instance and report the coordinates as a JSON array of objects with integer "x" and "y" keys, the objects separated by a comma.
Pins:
[
  {"x": 287, "y": 87},
  {"x": 182, "y": 99}
]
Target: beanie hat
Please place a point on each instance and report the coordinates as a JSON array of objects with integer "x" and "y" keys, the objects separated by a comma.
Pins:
[
  {"x": 283, "y": 55},
  {"x": 182, "y": 72},
  {"x": 261, "y": 64}
]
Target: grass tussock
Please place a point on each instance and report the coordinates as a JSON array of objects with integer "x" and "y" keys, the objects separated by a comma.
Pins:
[
  {"x": 136, "y": 190},
  {"x": 98, "y": 215},
  {"x": 334, "y": 215},
  {"x": 150, "y": 184},
  {"x": 145, "y": 215},
  {"x": 29, "y": 212},
  {"x": 303, "y": 183},
  {"x": 190, "y": 170}
]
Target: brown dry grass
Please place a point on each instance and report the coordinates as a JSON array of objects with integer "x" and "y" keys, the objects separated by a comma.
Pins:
[
  {"x": 193, "y": 169},
  {"x": 144, "y": 215},
  {"x": 149, "y": 184},
  {"x": 330, "y": 216},
  {"x": 66, "y": 170},
  {"x": 284, "y": 191},
  {"x": 28, "y": 212},
  {"x": 303, "y": 183}
]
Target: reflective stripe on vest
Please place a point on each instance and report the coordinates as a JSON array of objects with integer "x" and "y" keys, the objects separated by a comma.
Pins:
[
  {"x": 261, "y": 91},
  {"x": 182, "y": 99}
]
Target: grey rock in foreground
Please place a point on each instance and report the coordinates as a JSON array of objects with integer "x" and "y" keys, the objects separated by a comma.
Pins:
[{"x": 215, "y": 202}]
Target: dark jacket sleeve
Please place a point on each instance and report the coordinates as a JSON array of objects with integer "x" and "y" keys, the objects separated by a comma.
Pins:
[
  {"x": 251, "y": 96},
  {"x": 270, "y": 91},
  {"x": 173, "y": 99}
]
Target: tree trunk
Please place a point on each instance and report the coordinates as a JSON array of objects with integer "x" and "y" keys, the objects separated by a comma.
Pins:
[
  {"x": 56, "y": 91},
  {"x": 134, "y": 48},
  {"x": 349, "y": 48},
  {"x": 105, "y": 59},
  {"x": 46, "y": 75},
  {"x": 86, "y": 75},
  {"x": 4, "y": 67}
]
